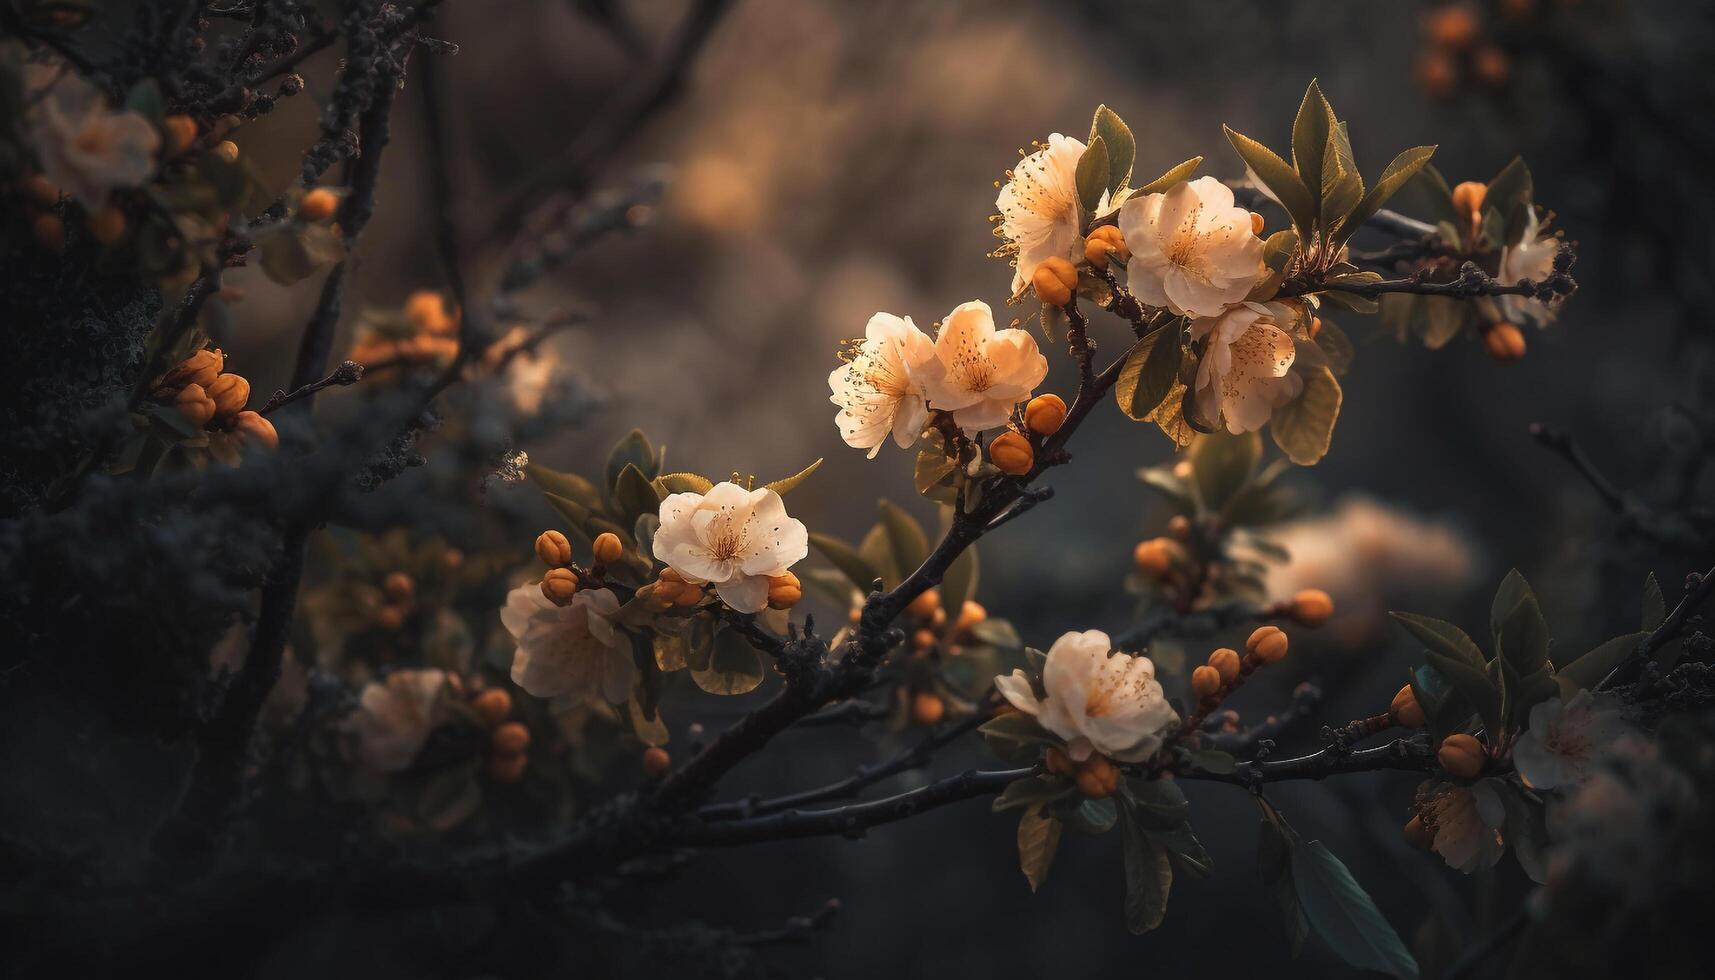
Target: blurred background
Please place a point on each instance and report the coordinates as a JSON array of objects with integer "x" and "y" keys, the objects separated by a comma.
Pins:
[{"x": 829, "y": 159}]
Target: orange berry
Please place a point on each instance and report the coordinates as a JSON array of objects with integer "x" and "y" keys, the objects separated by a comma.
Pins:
[
  {"x": 608, "y": 547},
  {"x": 1267, "y": 645},
  {"x": 1054, "y": 281},
  {"x": 1405, "y": 711},
  {"x": 510, "y": 738},
  {"x": 1101, "y": 242},
  {"x": 507, "y": 768},
  {"x": 927, "y": 708},
  {"x": 1311, "y": 607},
  {"x": 1461, "y": 755},
  {"x": 1011, "y": 453},
  {"x": 492, "y": 706},
  {"x": 1315, "y": 326},
  {"x": 656, "y": 761},
  {"x": 107, "y": 225},
  {"x": 317, "y": 204},
  {"x": 1206, "y": 681},
  {"x": 553, "y": 549},
  {"x": 1045, "y": 414},
  {"x": 254, "y": 428},
  {"x": 559, "y": 585},
  {"x": 924, "y": 606},
  {"x": 784, "y": 590},
  {"x": 1225, "y": 661},
  {"x": 1504, "y": 342}
]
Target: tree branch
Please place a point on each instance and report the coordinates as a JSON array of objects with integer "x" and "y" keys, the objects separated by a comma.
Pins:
[
  {"x": 1569, "y": 449},
  {"x": 1409, "y": 754}
]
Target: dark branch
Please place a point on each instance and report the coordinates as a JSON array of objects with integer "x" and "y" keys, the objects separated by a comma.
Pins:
[
  {"x": 1569, "y": 449},
  {"x": 1410, "y": 754}
]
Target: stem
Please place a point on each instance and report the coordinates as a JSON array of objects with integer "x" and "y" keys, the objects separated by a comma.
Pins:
[{"x": 1409, "y": 754}]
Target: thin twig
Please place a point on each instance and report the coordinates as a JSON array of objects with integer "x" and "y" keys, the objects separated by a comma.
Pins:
[
  {"x": 1573, "y": 453},
  {"x": 1698, "y": 589},
  {"x": 348, "y": 373}
]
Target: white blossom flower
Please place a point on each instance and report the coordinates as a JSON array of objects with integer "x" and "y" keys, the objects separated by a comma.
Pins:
[
  {"x": 85, "y": 148},
  {"x": 882, "y": 386},
  {"x": 571, "y": 649},
  {"x": 1192, "y": 248},
  {"x": 731, "y": 537},
  {"x": 985, "y": 372},
  {"x": 394, "y": 718},
  {"x": 1529, "y": 258},
  {"x": 1097, "y": 700},
  {"x": 1565, "y": 739},
  {"x": 1039, "y": 208},
  {"x": 1245, "y": 373},
  {"x": 1466, "y": 821}
]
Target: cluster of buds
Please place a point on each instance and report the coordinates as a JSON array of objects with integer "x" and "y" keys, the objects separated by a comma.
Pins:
[
  {"x": 930, "y": 634},
  {"x": 1097, "y": 777},
  {"x": 1013, "y": 452},
  {"x": 1226, "y": 669},
  {"x": 1455, "y": 49},
  {"x": 670, "y": 589},
  {"x": 432, "y": 336},
  {"x": 563, "y": 578},
  {"x": 212, "y": 399}
]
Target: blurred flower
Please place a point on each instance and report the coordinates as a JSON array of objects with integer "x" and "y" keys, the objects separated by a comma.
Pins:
[
  {"x": 1529, "y": 258},
  {"x": 1627, "y": 824},
  {"x": 732, "y": 538},
  {"x": 1192, "y": 249},
  {"x": 394, "y": 717},
  {"x": 1097, "y": 702},
  {"x": 985, "y": 372},
  {"x": 571, "y": 649},
  {"x": 1564, "y": 739},
  {"x": 881, "y": 388},
  {"x": 84, "y": 147},
  {"x": 1243, "y": 376},
  {"x": 1039, "y": 208},
  {"x": 1466, "y": 821}
]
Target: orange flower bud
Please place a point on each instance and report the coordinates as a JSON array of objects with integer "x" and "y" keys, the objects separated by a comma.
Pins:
[
  {"x": 924, "y": 606},
  {"x": 254, "y": 428},
  {"x": 199, "y": 369},
  {"x": 1156, "y": 557},
  {"x": 970, "y": 614},
  {"x": 553, "y": 549},
  {"x": 390, "y": 618},
  {"x": 1405, "y": 711},
  {"x": 230, "y": 393},
  {"x": 1491, "y": 66},
  {"x": 784, "y": 590},
  {"x": 688, "y": 594},
  {"x": 1206, "y": 681},
  {"x": 1179, "y": 526},
  {"x": 1453, "y": 27},
  {"x": 1257, "y": 223},
  {"x": 427, "y": 311},
  {"x": 399, "y": 587},
  {"x": 510, "y": 738},
  {"x": 1267, "y": 645},
  {"x": 927, "y": 708},
  {"x": 107, "y": 225},
  {"x": 194, "y": 404},
  {"x": 492, "y": 706},
  {"x": 507, "y": 768},
  {"x": 1226, "y": 663},
  {"x": 1468, "y": 196},
  {"x": 1092, "y": 785},
  {"x": 608, "y": 547},
  {"x": 1504, "y": 342},
  {"x": 1045, "y": 414},
  {"x": 1436, "y": 75},
  {"x": 1103, "y": 240},
  {"x": 1010, "y": 452},
  {"x": 1107, "y": 772},
  {"x": 1311, "y": 607},
  {"x": 227, "y": 150},
  {"x": 1461, "y": 755},
  {"x": 923, "y": 639},
  {"x": 180, "y": 132},
  {"x": 49, "y": 231},
  {"x": 656, "y": 761},
  {"x": 317, "y": 204},
  {"x": 1054, "y": 281},
  {"x": 559, "y": 585}
]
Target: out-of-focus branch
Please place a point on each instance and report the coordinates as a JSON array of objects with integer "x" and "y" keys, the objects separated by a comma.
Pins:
[
  {"x": 1573, "y": 453},
  {"x": 1697, "y": 590}
]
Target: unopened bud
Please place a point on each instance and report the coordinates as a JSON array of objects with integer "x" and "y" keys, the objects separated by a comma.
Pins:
[
  {"x": 1468, "y": 197},
  {"x": 1417, "y": 835},
  {"x": 608, "y": 548},
  {"x": 924, "y": 606},
  {"x": 194, "y": 404},
  {"x": 390, "y": 618},
  {"x": 427, "y": 311},
  {"x": 1156, "y": 557},
  {"x": 1461, "y": 755},
  {"x": 230, "y": 393},
  {"x": 1311, "y": 607},
  {"x": 554, "y": 550},
  {"x": 1058, "y": 762},
  {"x": 559, "y": 585},
  {"x": 1206, "y": 681},
  {"x": 1453, "y": 26},
  {"x": 227, "y": 150},
  {"x": 511, "y": 738},
  {"x": 318, "y": 204},
  {"x": 41, "y": 191},
  {"x": 492, "y": 706},
  {"x": 1045, "y": 414},
  {"x": 1491, "y": 66},
  {"x": 1179, "y": 526},
  {"x": 784, "y": 590},
  {"x": 1405, "y": 711},
  {"x": 689, "y": 594},
  {"x": 1054, "y": 281},
  {"x": 1504, "y": 342},
  {"x": 48, "y": 231},
  {"x": 180, "y": 132},
  {"x": 199, "y": 369},
  {"x": 399, "y": 587},
  {"x": 923, "y": 639},
  {"x": 1010, "y": 452},
  {"x": 1267, "y": 645},
  {"x": 1226, "y": 663},
  {"x": 970, "y": 614},
  {"x": 656, "y": 761},
  {"x": 927, "y": 708},
  {"x": 253, "y": 428},
  {"x": 1101, "y": 242},
  {"x": 1257, "y": 223}
]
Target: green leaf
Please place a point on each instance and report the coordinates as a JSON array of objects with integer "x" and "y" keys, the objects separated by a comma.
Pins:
[
  {"x": 1180, "y": 173},
  {"x": 877, "y": 549},
  {"x": 1402, "y": 169},
  {"x": 1148, "y": 878},
  {"x": 1587, "y": 671},
  {"x": 1304, "y": 427},
  {"x": 1278, "y": 249},
  {"x": 1092, "y": 175},
  {"x": 634, "y": 494},
  {"x": 1445, "y": 710},
  {"x": 1221, "y": 463},
  {"x": 1274, "y": 847},
  {"x": 785, "y": 484},
  {"x": 1038, "y": 839},
  {"x": 1337, "y": 346},
  {"x": 845, "y": 558},
  {"x": 1655, "y": 604},
  {"x": 1212, "y": 760},
  {"x": 997, "y": 632},
  {"x": 1149, "y": 373},
  {"x": 1440, "y": 196},
  {"x": 1186, "y": 852},
  {"x": 1279, "y": 177},
  {"x": 1442, "y": 637},
  {"x": 1474, "y": 684},
  {"x": 905, "y": 537},
  {"x": 1159, "y": 804},
  {"x": 146, "y": 100},
  {"x": 1512, "y": 591},
  {"x": 1033, "y": 791},
  {"x": 1121, "y": 145},
  {"x": 1016, "y": 736},
  {"x": 1342, "y": 185},
  {"x": 1345, "y": 916},
  {"x": 734, "y": 666},
  {"x": 1507, "y": 199},
  {"x": 449, "y": 798},
  {"x": 936, "y": 474},
  {"x": 634, "y": 449},
  {"x": 1310, "y": 131},
  {"x": 1523, "y": 640}
]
